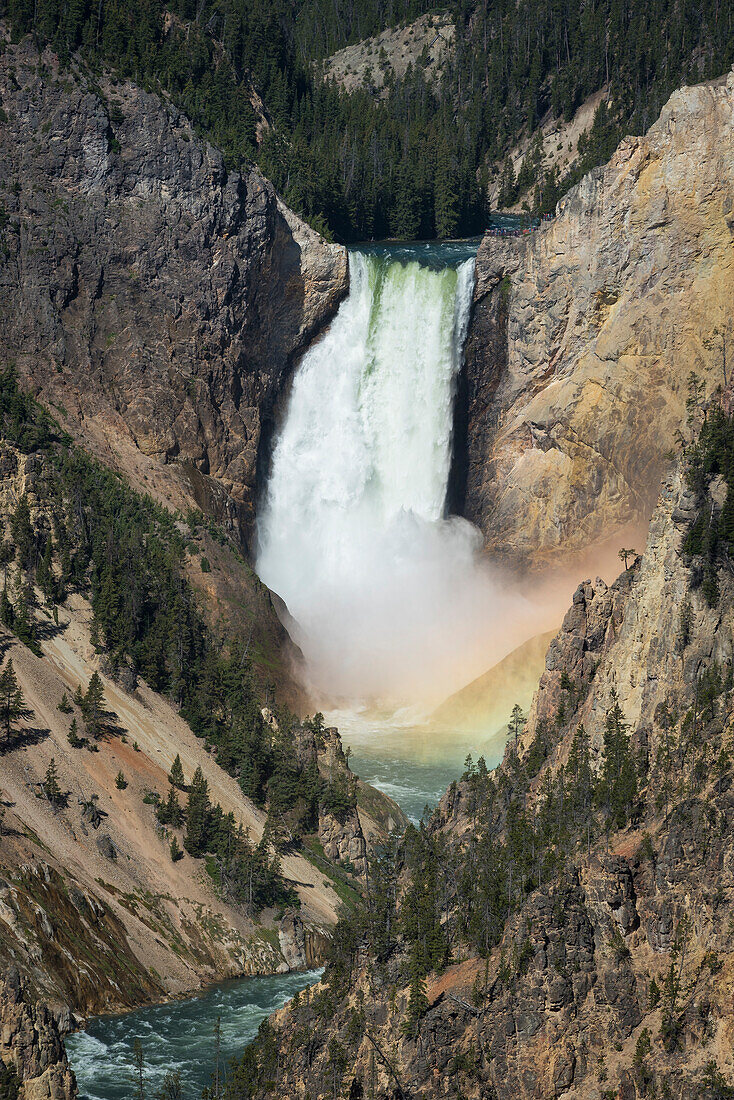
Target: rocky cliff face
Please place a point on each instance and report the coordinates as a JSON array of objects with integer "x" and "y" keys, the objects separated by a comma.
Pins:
[
  {"x": 343, "y": 840},
  {"x": 348, "y": 833},
  {"x": 154, "y": 299},
  {"x": 648, "y": 637},
  {"x": 30, "y": 1044},
  {"x": 156, "y": 303},
  {"x": 584, "y": 335}
]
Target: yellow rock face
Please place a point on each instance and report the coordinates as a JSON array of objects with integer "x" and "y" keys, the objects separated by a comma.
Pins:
[{"x": 585, "y": 334}]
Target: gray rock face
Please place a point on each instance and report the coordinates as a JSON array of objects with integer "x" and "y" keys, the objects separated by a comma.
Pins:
[
  {"x": 636, "y": 627},
  {"x": 157, "y": 300},
  {"x": 343, "y": 840},
  {"x": 31, "y": 1044},
  {"x": 301, "y": 947},
  {"x": 583, "y": 337},
  {"x": 625, "y": 639},
  {"x": 588, "y": 628},
  {"x": 342, "y": 837}
]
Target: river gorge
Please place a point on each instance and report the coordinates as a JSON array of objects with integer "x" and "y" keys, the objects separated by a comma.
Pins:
[
  {"x": 291, "y": 528},
  {"x": 387, "y": 597}
]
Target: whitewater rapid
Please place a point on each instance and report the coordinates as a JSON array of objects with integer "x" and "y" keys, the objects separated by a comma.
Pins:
[{"x": 387, "y": 593}]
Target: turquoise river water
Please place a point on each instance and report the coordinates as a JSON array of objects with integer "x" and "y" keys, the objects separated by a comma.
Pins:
[{"x": 177, "y": 1036}]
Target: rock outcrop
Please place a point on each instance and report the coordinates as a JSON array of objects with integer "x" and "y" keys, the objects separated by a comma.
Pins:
[
  {"x": 30, "y": 1044},
  {"x": 302, "y": 947},
  {"x": 155, "y": 299},
  {"x": 343, "y": 840},
  {"x": 628, "y": 638},
  {"x": 347, "y": 832},
  {"x": 584, "y": 335}
]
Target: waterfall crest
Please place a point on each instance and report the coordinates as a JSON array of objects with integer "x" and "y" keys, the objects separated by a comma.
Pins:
[{"x": 385, "y": 590}]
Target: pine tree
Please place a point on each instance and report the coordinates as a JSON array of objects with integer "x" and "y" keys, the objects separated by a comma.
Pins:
[
  {"x": 445, "y": 196},
  {"x": 516, "y": 723},
  {"x": 75, "y": 740},
  {"x": 22, "y": 534},
  {"x": 120, "y": 781},
  {"x": 336, "y": 1066},
  {"x": 24, "y": 624},
  {"x": 170, "y": 811},
  {"x": 625, "y": 554},
  {"x": 580, "y": 776},
  {"x": 51, "y": 786},
  {"x": 619, "y": 773},
  {"x": 417, "y": 1000},
  {"x": 507, "y": 194},
  {"x": 171, "y": 1088},
  {"x": 65, "y": 706},
  {"x": 44, "y": 572},
  {"x": 92, "y": 707},
  {"x": 176, "y": 774},
  {"x": 198, "y": 812},
  {"x": 405, "y": 213},
  {"x": 7, "y": 612},
  {"x": 12, "y": 704},
  {"x": 176, "y": 853},
  {"x": 7, "y": 553}
]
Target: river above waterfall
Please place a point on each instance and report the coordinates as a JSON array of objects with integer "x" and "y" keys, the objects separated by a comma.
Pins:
[{"x": 178, "y": 1035}]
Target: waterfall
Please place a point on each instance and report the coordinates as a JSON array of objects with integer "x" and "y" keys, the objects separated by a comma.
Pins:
[{"x": 385, "y": 590}]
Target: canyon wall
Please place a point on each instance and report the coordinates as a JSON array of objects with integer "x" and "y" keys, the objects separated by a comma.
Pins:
[
  {"x": 584, "y": 335},
  {"x": 101, "y": 906},
  {"x": 94, "y": 911},
  {"x": 155, "y": 299},
  {"x": 631, "y": 638},
  {"x": 156, "y": 303}
]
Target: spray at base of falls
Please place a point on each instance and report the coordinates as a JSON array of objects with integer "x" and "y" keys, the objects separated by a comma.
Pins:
[{"x": 390, "y": 598}]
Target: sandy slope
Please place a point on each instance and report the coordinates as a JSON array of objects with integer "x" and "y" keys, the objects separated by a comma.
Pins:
[
  {"x": 173, "y": 919},
  {"x": 485, "y": 704},
  {"x": 426, "y": 43}
]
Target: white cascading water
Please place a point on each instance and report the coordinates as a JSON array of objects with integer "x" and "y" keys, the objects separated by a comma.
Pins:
[{"x": 389, "y": 600}]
